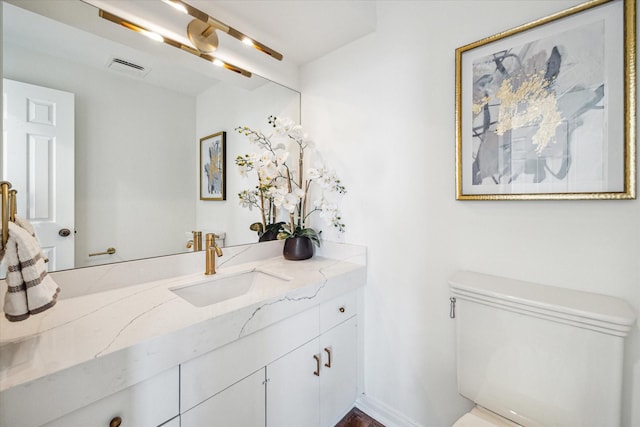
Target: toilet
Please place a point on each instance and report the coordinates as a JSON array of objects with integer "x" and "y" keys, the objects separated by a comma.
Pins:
[{"x": 534, "y": 355}]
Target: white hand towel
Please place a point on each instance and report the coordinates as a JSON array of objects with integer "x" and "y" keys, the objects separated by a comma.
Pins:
[
  {"x": 29, "y": 227},
  {"x": 25, "y": 224},
  {"x": 30, "y": 289}
]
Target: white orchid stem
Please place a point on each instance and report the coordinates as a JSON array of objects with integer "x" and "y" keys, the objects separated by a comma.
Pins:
[
  {"x": 304, "y": 201},
  {"x": 264, "y": 220},
  {"x": 301, "y": 208},
  {"x": 314, "y": 210},
  {"x": 291, "y": 219}
]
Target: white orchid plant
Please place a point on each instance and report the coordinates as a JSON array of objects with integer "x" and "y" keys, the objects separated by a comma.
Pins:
[{"x": 283, "y": 191}]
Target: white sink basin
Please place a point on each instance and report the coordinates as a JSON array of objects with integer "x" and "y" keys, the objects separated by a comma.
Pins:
[{"x": 221, "y": 288}]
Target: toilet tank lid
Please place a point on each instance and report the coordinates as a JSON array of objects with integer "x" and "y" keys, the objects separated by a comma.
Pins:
[{"x": 599, "y": 311}]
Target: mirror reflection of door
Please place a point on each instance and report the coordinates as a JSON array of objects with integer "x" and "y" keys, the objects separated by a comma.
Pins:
[{"x": 38, "y": 160}]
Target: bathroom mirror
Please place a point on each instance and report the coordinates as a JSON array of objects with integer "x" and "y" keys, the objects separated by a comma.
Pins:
[{"x": 137, "y": 132}]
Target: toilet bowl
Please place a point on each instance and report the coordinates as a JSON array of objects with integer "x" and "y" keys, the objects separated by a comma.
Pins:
[{"x": 481, "y": 417}]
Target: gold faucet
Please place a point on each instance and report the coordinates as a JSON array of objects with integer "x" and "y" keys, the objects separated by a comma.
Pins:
[
  {"x": 196, "y": 243},
  {"x": 212, "y": 250}
]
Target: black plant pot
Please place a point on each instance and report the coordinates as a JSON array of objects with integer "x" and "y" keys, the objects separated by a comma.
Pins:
[{"x": 298, "y": 248}]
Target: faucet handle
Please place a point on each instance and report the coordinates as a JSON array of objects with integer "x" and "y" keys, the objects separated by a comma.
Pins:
[
  {"x": 196, "y": 241},
  {"x": 210, "y": 240},
  {"x": 211, "y": 251},
  {"x": 211, "y": 236},
  {"x": 211, "y": 243}
]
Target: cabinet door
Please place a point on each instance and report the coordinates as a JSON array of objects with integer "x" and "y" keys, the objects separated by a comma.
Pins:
[
  {"x": 146, "y": 404},
  {"x": 293, "y": 388},
  {"x": 240, "y": 405},
  {"x": 209, "y": 374},
  {"x": 339, "y": 380}
]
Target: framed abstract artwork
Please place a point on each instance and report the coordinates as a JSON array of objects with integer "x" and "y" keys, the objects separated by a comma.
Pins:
[
  {"x": 547, "y": 110},
  {"x": 213, "y": 167}
]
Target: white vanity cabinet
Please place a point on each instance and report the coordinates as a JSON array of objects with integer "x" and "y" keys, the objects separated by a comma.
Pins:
[
  {"x": 122, "y": 346},
  {"x": 229, "y": 386},
  {"x": 240, "y": 405},
  {"x": 150, "y": 403},
  {"x": 316, "y": 384}
]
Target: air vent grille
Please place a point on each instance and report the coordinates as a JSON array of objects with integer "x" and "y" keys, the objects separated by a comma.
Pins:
[
  {"x": 128, "y": 64},
  {"x": 128, "y": 67}
]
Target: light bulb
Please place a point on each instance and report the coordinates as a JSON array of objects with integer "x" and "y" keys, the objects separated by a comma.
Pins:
[
  {"x": 153, "y": 36},
  {"x": 177, "y": 6}
]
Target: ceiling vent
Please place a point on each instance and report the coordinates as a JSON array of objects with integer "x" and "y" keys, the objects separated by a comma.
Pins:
[{"x": 128, "y": 67}]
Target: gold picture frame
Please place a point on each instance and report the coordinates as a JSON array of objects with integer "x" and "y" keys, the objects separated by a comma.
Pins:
[
  {"x": 213, "y": 167},
  {"x": 547, "y": 110}
]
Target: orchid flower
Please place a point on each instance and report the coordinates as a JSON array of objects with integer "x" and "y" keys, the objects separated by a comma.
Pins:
[{"x": 282, "y": 182}]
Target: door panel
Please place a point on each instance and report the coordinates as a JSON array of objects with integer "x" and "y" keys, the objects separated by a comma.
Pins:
[
  {"x": 339, "y": 381},
  {"x": 38, "y": 159},
  {"x": 240, "y": 405},
  {"x": 293, "y": 389}
]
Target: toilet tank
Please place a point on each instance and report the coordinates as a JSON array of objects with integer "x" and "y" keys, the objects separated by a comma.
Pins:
[{"x": 539, "y": 355}]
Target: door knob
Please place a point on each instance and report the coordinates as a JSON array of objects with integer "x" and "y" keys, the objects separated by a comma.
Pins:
[{"x": 64, "y": 232}]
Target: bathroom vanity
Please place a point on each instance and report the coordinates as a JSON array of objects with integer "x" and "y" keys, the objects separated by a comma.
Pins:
[{"x": 155, "y": 342}]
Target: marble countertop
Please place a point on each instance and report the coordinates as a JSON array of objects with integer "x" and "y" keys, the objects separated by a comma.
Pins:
[{"x": 120, "y": 336}]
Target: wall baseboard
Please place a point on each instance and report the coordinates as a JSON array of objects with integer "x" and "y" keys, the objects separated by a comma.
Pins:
[{"x": 383, "y": 413}]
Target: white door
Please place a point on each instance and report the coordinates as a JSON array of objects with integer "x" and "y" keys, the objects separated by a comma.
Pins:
[{"x": 38, "y": 160}]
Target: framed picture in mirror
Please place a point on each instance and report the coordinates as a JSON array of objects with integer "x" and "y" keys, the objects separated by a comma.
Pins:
[
  {"x": 213, "y": 167},
  {"x": 547, "y": 110}
]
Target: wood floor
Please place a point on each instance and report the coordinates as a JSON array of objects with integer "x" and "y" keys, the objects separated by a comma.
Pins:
[{"x": 357, "y": 418}]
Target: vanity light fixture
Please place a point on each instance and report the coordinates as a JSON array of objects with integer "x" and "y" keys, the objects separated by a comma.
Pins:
[
  {"x": 150, "y": 34},
  {"x": 201, "y": 31},
  {"x": 155, "y": 36}
]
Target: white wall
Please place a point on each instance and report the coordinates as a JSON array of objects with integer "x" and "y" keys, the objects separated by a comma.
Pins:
[
  {"x": 124, "y": 129},
  {"x": 382, "y": 112},
  {"x": 223, "y": 108}
]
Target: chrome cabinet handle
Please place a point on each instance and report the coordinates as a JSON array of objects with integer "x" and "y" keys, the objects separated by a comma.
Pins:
[
  {"x": 317, "y": 371},
  {"x": 328, "y": 350},
  {"x": 341, "y": 310}
]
